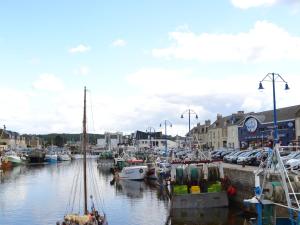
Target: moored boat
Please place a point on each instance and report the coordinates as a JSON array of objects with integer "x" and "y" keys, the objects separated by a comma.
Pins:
[
  {"x": 92, "y": 217},
  {"x": 132, "y": 169},
  {"x": 64, "y": 157},
  {"x": 36, "y": 156},
  {"x": 14, "y": 158},
  {"x": 5, "y": 164},
  {"x": 51, "y": 158}
]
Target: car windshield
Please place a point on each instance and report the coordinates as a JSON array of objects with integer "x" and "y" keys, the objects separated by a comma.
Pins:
[
  {"x": 293, "y": 154},
  {"x": 240, "y": 153}
]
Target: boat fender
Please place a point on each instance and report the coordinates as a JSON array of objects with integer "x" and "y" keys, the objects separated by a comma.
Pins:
[
  {"x": 141, "y": 170},
  {"x": 231, "y": 191}
]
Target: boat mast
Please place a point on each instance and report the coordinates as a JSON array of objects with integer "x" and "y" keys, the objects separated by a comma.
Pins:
[{"x": 84, "y": 153}]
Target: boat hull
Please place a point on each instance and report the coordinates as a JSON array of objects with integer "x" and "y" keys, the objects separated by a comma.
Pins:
[
  {"x": 5, "y": 165},
  {"x": 199, "y": 201},
  {"x": 51, "y": 158},
  {"x": 15, "y": 160},
  {"x": 36, "y": 157},
  {"x": 133, "y": 173},
  {"x": 64, "y": 158}
]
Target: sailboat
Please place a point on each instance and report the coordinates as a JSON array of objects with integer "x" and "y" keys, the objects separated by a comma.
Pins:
[{"x": 92, "y": 217}]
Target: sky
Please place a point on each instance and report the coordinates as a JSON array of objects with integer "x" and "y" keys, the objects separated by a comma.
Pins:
[{"x": 143, "y": 62}]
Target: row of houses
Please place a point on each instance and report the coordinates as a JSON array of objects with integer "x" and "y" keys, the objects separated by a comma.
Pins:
[
  {"x": 141, "y": 140},
  {"x": 243, "y": 130},
  {"x": 13, "y": 140}
]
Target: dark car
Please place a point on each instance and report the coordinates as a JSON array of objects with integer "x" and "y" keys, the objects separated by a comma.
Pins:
[
  {"x": 248, "y": 158},
  {"x": 220, "y": 154},
  {"x": 260, "y": 157},
  {"x": 235, "y": 157}
]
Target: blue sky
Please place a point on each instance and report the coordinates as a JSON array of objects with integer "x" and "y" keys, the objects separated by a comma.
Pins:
[{"x": 143, "y": 61}]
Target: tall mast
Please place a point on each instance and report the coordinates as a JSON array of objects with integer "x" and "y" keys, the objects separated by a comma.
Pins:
[{"x": 84, "y": 153}]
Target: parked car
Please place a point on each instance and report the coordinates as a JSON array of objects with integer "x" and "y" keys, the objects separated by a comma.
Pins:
[
  {"x": 289, "y": 156},
  {"x": 228, "y": 157},
  {"x": 293, "y": 163},
  {"x": 247, "y": 158},
  {"x": 235, "y": 157},
  {"x": 220, "y": 154}
]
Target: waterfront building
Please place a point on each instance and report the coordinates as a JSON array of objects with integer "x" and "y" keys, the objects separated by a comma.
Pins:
[
  {"x": 146, "y": 140},
  {"x": 101, "y": 141},
  {"x": 233, "y": 129},
  {"x": 156, "y": 144},
  {"x": 110, "y": 140},
  {"x": 199, "y": 135},
  {"x": 33, "y": 141},
  {"x": 181, "y": 141},
  {"x": 11, "y": 140},
  {"x": 217, "y": 132},
  {"x": 257, "y": 128}
]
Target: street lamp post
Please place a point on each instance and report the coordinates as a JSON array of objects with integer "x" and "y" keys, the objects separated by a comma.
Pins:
[
  {"x": 274, "y": 77},
  {"x": 189, "y": 112},
  {"x": 166, "y": 123},
  {"x": 150, "y": 129}
]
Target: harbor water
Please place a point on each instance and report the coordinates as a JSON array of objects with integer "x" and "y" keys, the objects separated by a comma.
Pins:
[{"x": 40, "y": 195}]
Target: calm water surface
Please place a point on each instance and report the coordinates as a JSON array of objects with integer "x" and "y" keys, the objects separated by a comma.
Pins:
[{"x": 38, "y": 195}]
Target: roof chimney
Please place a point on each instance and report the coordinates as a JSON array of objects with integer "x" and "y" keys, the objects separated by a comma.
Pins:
[{"x": 207, "y": 122}]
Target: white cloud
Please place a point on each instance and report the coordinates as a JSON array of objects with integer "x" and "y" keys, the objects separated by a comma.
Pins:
[
  {"x": 264, "y": 42},
  {"x": 119, "y": 43},
  {"x": 159, "y": 94},
  {"x": 245, "y": 4},
  {"x": 48, "y": 82},
  {"x": 82, "y": 70},
  {"x": 80, "y": 49}
]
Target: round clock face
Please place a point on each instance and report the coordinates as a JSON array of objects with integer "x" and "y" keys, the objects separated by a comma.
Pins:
[{"x": 251, "y": 124}]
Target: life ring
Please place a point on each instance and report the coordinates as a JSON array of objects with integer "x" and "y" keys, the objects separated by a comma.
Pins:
[{"x": 141, "y": 170}]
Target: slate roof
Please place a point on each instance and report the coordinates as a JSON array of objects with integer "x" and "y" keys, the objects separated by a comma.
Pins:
[
  {"x": 226, "y": 121},
  {"x": 287, "y": 113}
]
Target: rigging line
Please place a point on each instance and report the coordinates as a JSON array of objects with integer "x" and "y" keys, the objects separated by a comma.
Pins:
[
  {"x": 72, "y": 191},
  {"x": 96, "y": 190},
  {"x": 93, "y": 189},
  {"x": 96, "y": 183},
  {"x": 80, "y": 190},
  {"x": 70, "y": 195},
  {"x": 75, "y": 191}
]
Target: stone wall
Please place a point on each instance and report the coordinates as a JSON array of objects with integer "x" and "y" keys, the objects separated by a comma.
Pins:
[{"x": 243, "y": 179}]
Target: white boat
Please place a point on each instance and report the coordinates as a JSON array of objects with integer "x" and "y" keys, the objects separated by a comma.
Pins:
[
  {"x": 51, "y": 157},
  {"x": 14, "y": 158},
  {"x": 64, "y": 157},
  {"x": 77, "y": 156},
  {"x": 135, "y": 171}
]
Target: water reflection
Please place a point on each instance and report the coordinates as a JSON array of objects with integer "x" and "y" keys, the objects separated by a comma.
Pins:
[{"x": 38, "y": 195}]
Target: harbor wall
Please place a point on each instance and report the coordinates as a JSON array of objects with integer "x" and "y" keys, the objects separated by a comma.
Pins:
[{"x": 243, "y": 179}]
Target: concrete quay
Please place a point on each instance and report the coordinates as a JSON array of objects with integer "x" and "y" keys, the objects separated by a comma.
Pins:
[{"x": 242, "y": 178}]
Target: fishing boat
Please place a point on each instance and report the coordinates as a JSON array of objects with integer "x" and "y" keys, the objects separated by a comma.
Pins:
[
  {"x": 36, "y": 156},
  {"x": 275, "y": 188},
  {"x": 5, "y": 164},
  {"x": 64, "y": 157},
  {"x": 131, "y": 169},
  {"x": 197, "y": 185},
  {"x": 51, "y": 157},
  {"x": 14, "y": 158},
  {"x": 92, "y": 216}
]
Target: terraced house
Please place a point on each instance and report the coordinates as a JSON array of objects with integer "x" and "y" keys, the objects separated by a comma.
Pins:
[{"x": 243, "y": 130}]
